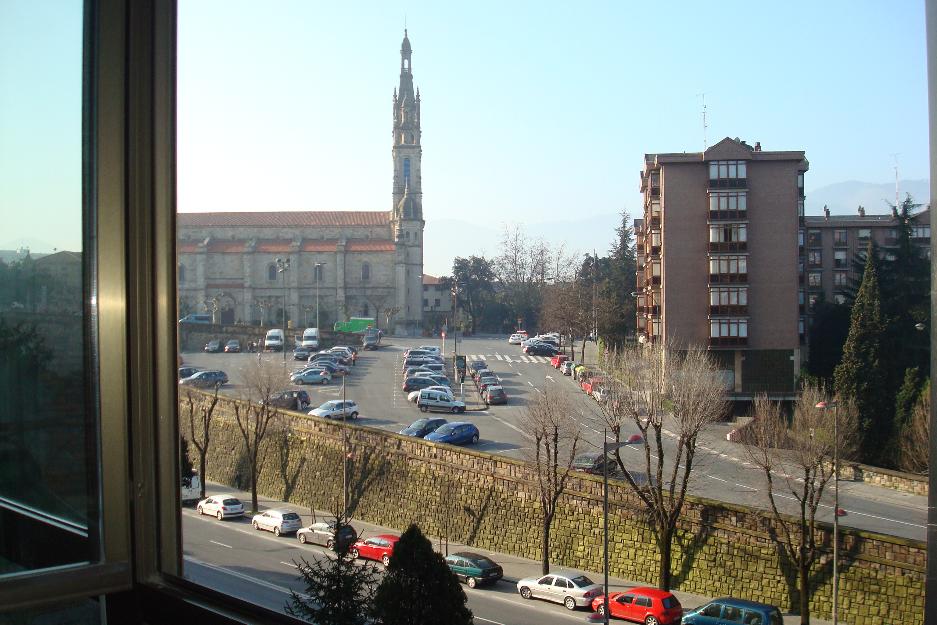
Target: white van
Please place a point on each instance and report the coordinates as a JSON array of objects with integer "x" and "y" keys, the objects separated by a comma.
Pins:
[
  {"x": 439, "y": 400},
  {"x": 311, "y": 338},
  {"x": 274, "y": 340}
]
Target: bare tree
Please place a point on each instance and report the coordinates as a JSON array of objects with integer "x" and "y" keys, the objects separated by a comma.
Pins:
[
  {"x": 199, "y": 411},
  {"x": 554, "y": 437},
  {"x": 804, "y": 469},
  {"x": 643, "y": 383},
  {"x": 914, "y": 439},
  {"x": 255, "y": 413}
]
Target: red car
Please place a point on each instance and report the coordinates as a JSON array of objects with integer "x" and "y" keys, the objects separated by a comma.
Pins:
[
  {"x": 558, "y": 360},
  {"x": 377, "y": 548},
  {"x": 642, "y": 605},
  {"x": 591, "y": 384}
]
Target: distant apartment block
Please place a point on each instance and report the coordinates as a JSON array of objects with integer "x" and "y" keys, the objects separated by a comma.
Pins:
[
  {"x": 436, "y": 296},
  {"x": 718, "y": 263},
  {"x": 828, "y": 245}
]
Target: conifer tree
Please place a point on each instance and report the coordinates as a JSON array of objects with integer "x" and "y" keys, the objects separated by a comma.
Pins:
[
  {"x": 861, "y": 375},
  {"x": 418, "y": 588}
]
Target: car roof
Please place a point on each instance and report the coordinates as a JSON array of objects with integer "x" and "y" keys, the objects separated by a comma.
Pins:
[
  {"x": 471, "y": 555},
  {"x": 391, "y": 537},
  {"x": 647, "y": 591},
  {"x": 742, "y": 603},
  {"x": 224, "y": 496}
]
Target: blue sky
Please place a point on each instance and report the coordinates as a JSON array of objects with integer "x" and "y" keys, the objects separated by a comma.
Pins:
[{"x": 532, "y": 111}]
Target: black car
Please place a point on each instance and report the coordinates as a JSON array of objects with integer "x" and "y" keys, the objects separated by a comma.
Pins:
[
  {"x": 291, "y": 400},
  {"x": 415, "y": 384},
  {"x": 541, "y": 349},
  {"x": 213, "y": 346},
  {"x": 232, "y": 347},
  {"x": 422, "y": 427},
  {"x": 185, "y": 372},
  {"x": 301, "y": 353},
  {"x": 594, "y": 462}
]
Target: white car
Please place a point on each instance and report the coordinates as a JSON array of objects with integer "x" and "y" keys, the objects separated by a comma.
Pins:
[
  {"x": 433, "y": 349},
  {"x": 415, "y": 395},
  {"x": 221, "y": 506},
  {"x": 277, "y": 521},
  {"x": 516, "y": 339},
  {"x": 573, "y": 590},
  {"x": 336, "y": 409}
]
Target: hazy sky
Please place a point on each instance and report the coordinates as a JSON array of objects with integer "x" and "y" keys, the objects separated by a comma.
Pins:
[{"x": 531, "y": 110}]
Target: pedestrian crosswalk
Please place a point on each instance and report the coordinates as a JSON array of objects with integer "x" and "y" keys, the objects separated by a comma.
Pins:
[{"x": 509, "y": 358}]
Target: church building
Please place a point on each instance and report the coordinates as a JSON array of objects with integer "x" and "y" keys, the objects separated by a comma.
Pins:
[{"x": 331, "y": 265}]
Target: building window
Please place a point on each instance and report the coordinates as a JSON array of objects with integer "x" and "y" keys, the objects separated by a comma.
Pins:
[
  {"x": 406, "y": 170},
  {"x": 814, "y": 279},
  {"x": 728, "y": 300},
  {"x": 800, "y": 297},
  {"x": 728, "y": 328},
  {"x": 728, "y": 265},
  {"x": 365, "y": 310},
  {"x": 864, "y": 234},
  {"x": 800, "y": 238},
  {"x": 920, "y": 232},
  {"x": 181, "y": 273},
  {"x": 840, "y": 237},
  {"x": 801, "y": 326},
  {"x": 727, "y": 170},
  {"x": 800, "y": 208},
  {"x": 425, "y": 288},
  {"x": 655, "y": 179},
  {"x": 815, "y": 258},
  {"x": 727, "y": 205},
  {"x": 655, "y": 326},
  {"x": 812, "y": 301},
  {"x": 366, "y": 271},
  {"x": 425, "y": 303},
  {"x": 272, "y": 272},
  {"x": 655, "y": 208},
  {"x": 839, "y": 259},
  {"x": 728, "y": 237},
  {"x": 840, "y": 278},
  {"x": 436, "y": 302},
  {"x": 800, "y": 183},
  {"x": 839, "y": 298},
  {"x": 814, "y": 238}
]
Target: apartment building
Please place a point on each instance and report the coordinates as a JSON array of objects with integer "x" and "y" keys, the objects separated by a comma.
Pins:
[
  {"x": 718, "y": 262},
  {"x": 828, "y": 245}
]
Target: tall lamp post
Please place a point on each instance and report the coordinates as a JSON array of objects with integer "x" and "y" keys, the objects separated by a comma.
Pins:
[
  {"x": 318, "y": 274},
  {"x": 606, "y": 449},
  {"x": 823, "y": 405},
  {"x": 283, "y": 265}
]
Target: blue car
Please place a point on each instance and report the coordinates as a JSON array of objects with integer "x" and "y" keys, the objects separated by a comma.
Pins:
[
  {"x": 728, "y": 610},
  {"x": 311, "y": 376},
  {"x": 455, "y": 433}
]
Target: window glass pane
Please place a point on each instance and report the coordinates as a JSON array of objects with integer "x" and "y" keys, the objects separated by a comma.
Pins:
[
  {"x": 48, "y": 425},
  {"x": 713, "y": 170},
  {"x": 743, "y": 265},
  {"x": 742, "y": 169}
]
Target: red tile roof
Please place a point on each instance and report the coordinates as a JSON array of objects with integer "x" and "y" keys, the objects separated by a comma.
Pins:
[
  {"x": 286, "y": 218},
  {"x": 274, "y": 246},
  {"x": 370, "y": 246},
  {"x": 428, "y": 279}
]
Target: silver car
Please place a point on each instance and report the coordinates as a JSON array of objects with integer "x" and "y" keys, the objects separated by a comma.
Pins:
[
  {"x": 277, "y": 521},
  {"x": 221, "y": 506},
  {"x": 336, "y": 409},
  {"x": 573, "y": 590},
  {"x": 323, "y": 533}
]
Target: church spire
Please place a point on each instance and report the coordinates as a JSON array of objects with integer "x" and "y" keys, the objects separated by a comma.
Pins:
[
  {"x": 406, "y": 70},
  {"x": 407, "y": 150}
]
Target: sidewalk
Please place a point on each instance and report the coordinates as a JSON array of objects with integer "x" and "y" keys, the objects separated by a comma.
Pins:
[{"x": 515, "y": 567}]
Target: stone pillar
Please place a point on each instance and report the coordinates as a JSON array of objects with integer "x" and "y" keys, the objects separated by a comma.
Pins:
[
  {"x": 340, "y": 281},
  {"x": 247, "y": 261}
]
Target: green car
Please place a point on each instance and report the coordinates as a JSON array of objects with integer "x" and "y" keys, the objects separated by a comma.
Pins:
[{"x": 474, "y": 568}]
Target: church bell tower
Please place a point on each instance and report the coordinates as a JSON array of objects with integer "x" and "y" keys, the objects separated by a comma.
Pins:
[{"x": 407, "y": 212}]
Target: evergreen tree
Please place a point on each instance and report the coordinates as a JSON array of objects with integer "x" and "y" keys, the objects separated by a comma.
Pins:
[
  {"x": 907, "y": 397},
  {"x": 418, "y": 588},
  {"x": 862, "y": 375},
  {"x": 339, "y": 591},
  {"x": 616, "y": 304},
  {"x": 829, "y": 327}
]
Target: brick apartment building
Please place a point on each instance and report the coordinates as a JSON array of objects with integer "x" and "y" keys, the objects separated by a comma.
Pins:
[
  {"x": 718, "y": 260},
  {"x": 829, "y": 243}
]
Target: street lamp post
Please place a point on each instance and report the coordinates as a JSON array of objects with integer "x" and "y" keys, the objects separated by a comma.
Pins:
[
  {"x": 606, "y": 448},
  {"x": 824, "y": 406},
  {"x": 344, "y": 454},
  {"x": 318, "y": 273},
  {"x": 283, "y": 265}
]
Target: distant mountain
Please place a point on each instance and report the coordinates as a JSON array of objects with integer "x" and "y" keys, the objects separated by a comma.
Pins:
[
  {"x": 447, "y": 238},
  {"x": 844, "y": 198}
]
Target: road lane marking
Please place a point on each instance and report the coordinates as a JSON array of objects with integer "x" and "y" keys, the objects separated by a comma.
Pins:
[
  {"x": 290, "y": 564},
  {"x": 529, "y": 382},
  {"x": 498, "y": 356},
  {"x": 249, "y": 578},
  {"x": 487, "y": 620},
  {"x": 510, "y": 425},
  {"x": 222, "y": 544}
]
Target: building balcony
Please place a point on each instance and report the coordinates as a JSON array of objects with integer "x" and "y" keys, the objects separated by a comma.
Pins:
[
  {"x": 728, "y": 183},
  {"x": 654, "y": 221},
  {"x": 733, "y": 310},
  {"x": 728, "y": 278},
  {"x": 728, "y": 341},
  {"x": 728, "y": 215},
  {"x": 648, "y": 310},
  {"x": 639, "y": 248},
  {"x": 728, "y": 246}
]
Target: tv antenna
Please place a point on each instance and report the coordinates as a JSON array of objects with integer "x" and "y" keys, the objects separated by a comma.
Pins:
[
  {"x": 894, "y": 156},
  {"x": 705, "y": 123}
]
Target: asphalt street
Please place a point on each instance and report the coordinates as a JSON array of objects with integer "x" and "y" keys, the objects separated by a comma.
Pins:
[{"x": 721, "y": 469}]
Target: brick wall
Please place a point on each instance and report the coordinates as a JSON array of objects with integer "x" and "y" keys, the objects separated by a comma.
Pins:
[{"x": 489, "y": 502}]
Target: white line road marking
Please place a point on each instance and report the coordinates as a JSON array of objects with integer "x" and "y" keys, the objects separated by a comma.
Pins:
[
  {"x": 550, "y": 377},
  {"x": 222, "y": 544},
  {"x": 538, "y": 390},
  {"x": 255, "y": 580},
  {"x": 498, "y": 356},
  {"x": 290, "y": 564},
  {"x": 529, "y": 382},
  {"x": 510, "y": 425},
  {"x": 487, "y": 620}
]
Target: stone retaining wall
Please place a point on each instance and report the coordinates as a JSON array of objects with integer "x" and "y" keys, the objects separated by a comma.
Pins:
[
  {"x": 490, "y": 502},
  {"x": 897, "y": 480}
]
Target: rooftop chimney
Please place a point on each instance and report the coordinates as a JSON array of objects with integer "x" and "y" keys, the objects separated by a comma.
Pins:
[
  {"x": 861, "y": 210},
  {"x": 826, "y": 213},
  {"x": 758, "y": 146}
]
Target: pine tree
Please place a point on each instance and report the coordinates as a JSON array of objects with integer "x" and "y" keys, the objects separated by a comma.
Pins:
[
  {"x": 907, "y": 397},
  {"x": 861, "y": 375},
  {"x": 418, "y": 588},
  {"x": 339, "y": 591},
  {"x": 616, "y": 302}
]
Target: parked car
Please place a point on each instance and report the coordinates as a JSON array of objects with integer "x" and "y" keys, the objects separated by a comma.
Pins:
[
  {"x": 301, "y": 353},
  {"x": 477, "y": 365},
  {"x": 650, "y": 606},
  {"x": 196, "y": 318},
  {"x": 600, "y": 394},
  {"x": 485, "y": 381},
  {"x": 439, "y": 400},
  {"x": 412, "y": 372},
  {"x": 456, "y": 433},
  {"x": 185, "y": 372},
  {"x": 433, "y": 349},
  {"x": 370, "y": 341},
  {"x": 558, "y": 360},
  {"x": 291, "y": 400},
  {"x": 336, "y": 409},
  {"x": 205, "y": 379},
  {"x": 594, "y": 462},
  {"x": 573, "y": 590},
  {"x": 323, "y": 533},
  {"x": 728, "y": 610},
  {"x": 221, "y": 506},
  {"x": 330, "y": 366},
  {"x": 379, "y": 548},
  {"x": 567, "y": 367},
  {"x": 540, "y": 349},
  {"x": 415, "y": 383},
  {"x": 515, "y": 339},
  {"x": 473, "y": 568},
  {"x": 415, "y": 395},
  {"x": 232, "y": 347},
  {"x": 590, "y": 384},
  {"x": 213, "y": 346},
  {"x": 277, "y": 521},
  {"x": 422, "y": 427},
  {"x": 311, "y": 376},
  {"x": 494, "y": 395}
]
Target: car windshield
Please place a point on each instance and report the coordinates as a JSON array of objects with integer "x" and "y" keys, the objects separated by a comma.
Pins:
[
  {"x": 419, "y": 423},
  {"x": 327, "y": 406},
  {"x": 290, "y": 516},
  {"x": 482, "y": 562},
  {"x": 446, "y": 429},
  {"x": 231, "y": 502},
  {"x": 582, "y": 580}
]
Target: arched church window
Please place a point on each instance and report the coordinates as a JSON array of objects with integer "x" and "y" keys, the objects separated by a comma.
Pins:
[
  {"x": 366, "y": 271},
  {"x": 406, "y": 169},
  {"x": 272, "y": 272},
  {"x": 181, "y": 273}
]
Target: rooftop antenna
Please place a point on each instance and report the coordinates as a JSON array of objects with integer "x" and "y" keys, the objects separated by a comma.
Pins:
[
  {"x": 895, "y": 155},
  {"x": 705, "y": 123}
]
